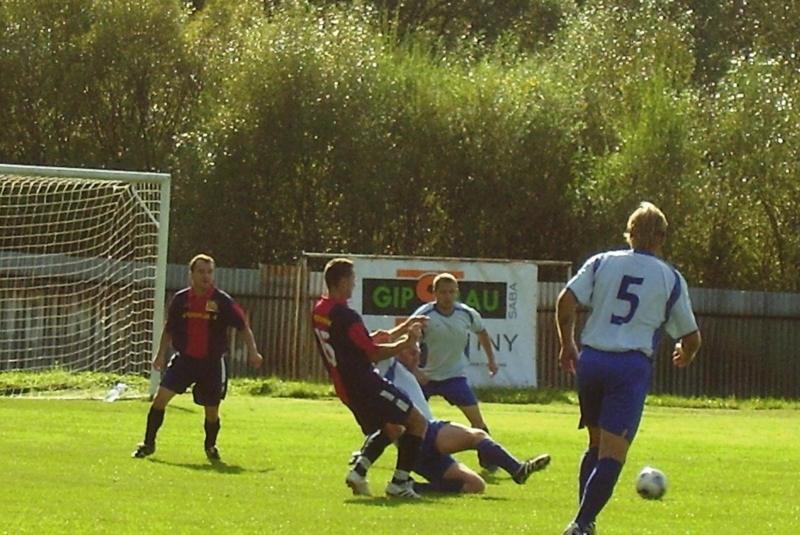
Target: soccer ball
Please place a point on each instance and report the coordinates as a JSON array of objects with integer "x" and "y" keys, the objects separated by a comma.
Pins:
[{"x": 651, "y": 483}]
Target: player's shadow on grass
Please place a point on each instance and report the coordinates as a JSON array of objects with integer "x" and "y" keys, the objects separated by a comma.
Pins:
[
  {"x": 219, "y": 467},
  {"x": 431, "y": 497},
  {"x": 490, "y": 477}
]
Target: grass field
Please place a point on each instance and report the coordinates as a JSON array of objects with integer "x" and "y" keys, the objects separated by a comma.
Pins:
[{"x": 66, "y": 469}]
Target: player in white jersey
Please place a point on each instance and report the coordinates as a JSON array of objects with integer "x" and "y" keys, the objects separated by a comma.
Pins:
[
  {"x": 443, "y": 367},
  {"x": 633, "y": 296}
]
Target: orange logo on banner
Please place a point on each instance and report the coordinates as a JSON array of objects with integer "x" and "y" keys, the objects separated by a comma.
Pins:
[{"x": 425, "y": 283}]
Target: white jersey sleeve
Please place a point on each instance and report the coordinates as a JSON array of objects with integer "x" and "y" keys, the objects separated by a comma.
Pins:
[{"x": 633, "y": 298}]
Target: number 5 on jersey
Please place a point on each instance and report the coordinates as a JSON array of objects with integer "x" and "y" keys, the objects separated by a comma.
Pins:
[{"x": 625, "y": 294}]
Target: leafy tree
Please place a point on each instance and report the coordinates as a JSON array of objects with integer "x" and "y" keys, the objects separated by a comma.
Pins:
[{"x": 750, "y": 184}]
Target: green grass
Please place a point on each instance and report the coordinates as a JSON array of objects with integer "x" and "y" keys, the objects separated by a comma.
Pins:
[{"x": 66, "y": 470}]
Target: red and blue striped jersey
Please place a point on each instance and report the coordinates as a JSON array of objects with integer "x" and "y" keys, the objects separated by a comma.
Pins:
[
  {"x": 345, "y": 346},
  {"x": 199, "y": 324}
]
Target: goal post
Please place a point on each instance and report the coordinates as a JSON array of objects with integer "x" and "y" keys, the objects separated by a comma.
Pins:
[{"x": 83, "y": 257}]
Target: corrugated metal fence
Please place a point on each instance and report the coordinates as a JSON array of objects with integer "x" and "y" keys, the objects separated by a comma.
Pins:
[{"x": 751, "y": 344}]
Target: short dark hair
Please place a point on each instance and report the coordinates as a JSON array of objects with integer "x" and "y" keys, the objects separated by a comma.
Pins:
[
  {"x": 336, "y": 270},
  {"x": 203, "y": 257}
]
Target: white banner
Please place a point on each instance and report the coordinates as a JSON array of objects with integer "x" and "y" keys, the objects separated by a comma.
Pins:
[{"x": 505, "y": 293}]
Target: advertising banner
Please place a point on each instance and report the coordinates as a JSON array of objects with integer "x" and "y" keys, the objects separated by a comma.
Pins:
[{"x": 504, "y": 292}]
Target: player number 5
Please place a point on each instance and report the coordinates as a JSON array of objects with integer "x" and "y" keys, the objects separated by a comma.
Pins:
[{"x": 625, "y": 294}]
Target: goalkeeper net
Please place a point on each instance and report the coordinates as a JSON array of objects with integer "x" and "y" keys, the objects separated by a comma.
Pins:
[{"x": 82, "y": 270}]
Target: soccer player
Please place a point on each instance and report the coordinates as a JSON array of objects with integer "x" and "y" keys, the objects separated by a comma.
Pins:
[
  {"x": 443, "y": 367},
  {"x": 633, "y": 296},
  {"x": 435, "y": 462},
  {"x": 197, "y": 327},
  {"x": 349, "y": 354}
]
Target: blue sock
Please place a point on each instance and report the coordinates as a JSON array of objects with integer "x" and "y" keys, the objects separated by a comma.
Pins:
[
  {"x": 588, "y": 462},
  {"x": 598, "y": 490},
  {"x": 495, "y": 454}
]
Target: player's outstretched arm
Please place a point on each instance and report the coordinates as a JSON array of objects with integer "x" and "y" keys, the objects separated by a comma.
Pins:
[
  {"x": 388, "y": 350},
  {"x": 403, "y": 328}
]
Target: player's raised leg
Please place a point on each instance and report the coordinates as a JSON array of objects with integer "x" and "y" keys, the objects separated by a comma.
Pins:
[{"x": 455, "y": 437}]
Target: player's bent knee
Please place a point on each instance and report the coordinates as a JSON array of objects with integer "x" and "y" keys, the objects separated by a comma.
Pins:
[
  {"x": 416, "y": 424},
  {"x": 473, "y": 484}
]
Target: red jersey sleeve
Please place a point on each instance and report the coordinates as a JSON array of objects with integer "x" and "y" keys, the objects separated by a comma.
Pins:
[{"x": 360, "y": 337}]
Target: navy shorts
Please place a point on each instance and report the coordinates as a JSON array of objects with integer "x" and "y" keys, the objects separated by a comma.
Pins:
[
  {"x": 455, "y": 390},
  {"x": 383, "y": 405},
  {"x": 431, "y": 464},
  {"x": 208, "y": 376},
  {"x": 612, "y": 388}
]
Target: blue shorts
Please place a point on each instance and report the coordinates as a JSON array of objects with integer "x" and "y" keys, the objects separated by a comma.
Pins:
[
  {"x": 612, "y": 388},
  {"x": 455, "y": 390},
  {"x": 209, "y": 377},
  {"x": 431, "y": 464},
  {"x": 383, "y": 405}
]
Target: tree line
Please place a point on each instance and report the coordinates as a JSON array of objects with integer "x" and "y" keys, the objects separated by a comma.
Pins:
[{"x": 521, "y": 129}]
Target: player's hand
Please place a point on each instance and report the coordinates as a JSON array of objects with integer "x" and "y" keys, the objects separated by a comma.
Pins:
[
  {"x": 493, "y": 368},
  {"x": 415, "y": 331},
  {"x": 568, "y": 357},
  {"x": 421, "y": 320},
  {"x": 158, "y": 363},
  {"x": 256, "y": 360},
  {"x": 679, "y": 357},
  {"x": 381, "y": 336}
]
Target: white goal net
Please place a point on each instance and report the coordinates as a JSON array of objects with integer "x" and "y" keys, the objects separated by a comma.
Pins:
[{"x": 82, "y": 269}]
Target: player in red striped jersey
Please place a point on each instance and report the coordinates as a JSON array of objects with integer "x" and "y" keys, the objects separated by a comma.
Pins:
[{"x": 197, "y": 326}]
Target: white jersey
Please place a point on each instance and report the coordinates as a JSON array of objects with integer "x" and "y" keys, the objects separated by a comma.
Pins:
[
  {"x": 633, "y": 296},
  {"x": 445, "y": 338},
  {"x": 394, "y": 371}
]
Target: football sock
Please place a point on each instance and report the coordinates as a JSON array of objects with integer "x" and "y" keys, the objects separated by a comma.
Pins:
[
  {"x": 400, "y": 477},
  {"x": 362, "y": 466},
  {"x": 407, "y": 450},
  {"x": 154, "y": 420},
  {"x": 598, "y": 490},
  {"x": 588, "y": 462},
  {"x": 448, "y": 486},
  {"x": 372, "y": 449},
  {"x": 212, "y": 430},
  {"x": 493, "y": 454}
]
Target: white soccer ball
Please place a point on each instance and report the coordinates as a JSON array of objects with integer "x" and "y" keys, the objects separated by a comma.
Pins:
[{"x": 651, "y": 483}]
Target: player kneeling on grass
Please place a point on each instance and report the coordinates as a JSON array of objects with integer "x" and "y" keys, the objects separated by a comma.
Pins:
[
  {"x": 442, "y": 439},
  {"x": 197, "y": 326}
]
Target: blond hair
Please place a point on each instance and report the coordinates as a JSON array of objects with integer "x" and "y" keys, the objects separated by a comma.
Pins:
[
  {"x": 203, "y": 257},
  {"x": 647, "y": 225},
  {"x": 444, "y": 277}
]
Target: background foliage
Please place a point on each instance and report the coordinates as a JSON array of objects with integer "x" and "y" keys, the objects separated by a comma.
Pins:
[{"x": 524, "y": 129}]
